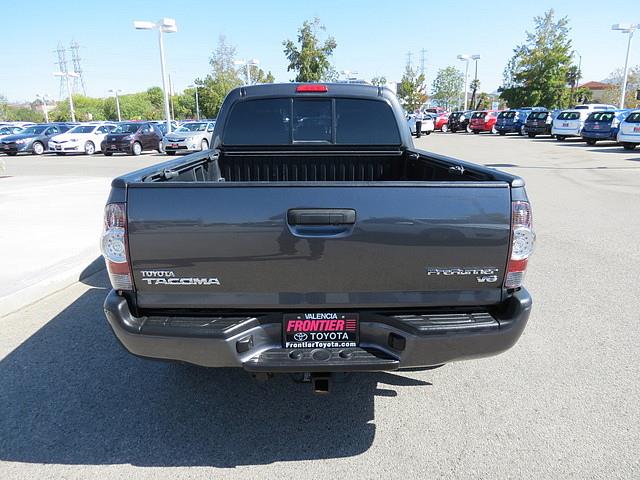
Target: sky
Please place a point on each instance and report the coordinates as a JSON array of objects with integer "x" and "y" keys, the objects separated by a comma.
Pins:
[{"x": 373, "y": 38}]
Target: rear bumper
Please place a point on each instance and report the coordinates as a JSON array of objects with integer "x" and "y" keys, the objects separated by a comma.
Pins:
[
  {"x": 508, "y": 128},
  {"x": 386, "y": 342},
  {"x": 628, "y": 138},
  {"x": 598, "y": 135},
  {"x": 538, "y": 130}
]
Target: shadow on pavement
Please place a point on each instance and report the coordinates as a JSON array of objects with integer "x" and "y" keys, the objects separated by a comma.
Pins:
[
  {"x": 88, "y": 275},
  {"x": 71, "y": 395}
]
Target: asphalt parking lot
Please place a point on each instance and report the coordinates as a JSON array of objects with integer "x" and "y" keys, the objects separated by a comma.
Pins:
[{"x": 563, "y": 403}]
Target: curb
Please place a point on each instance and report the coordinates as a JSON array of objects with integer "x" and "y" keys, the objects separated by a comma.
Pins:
[{"x": 53, "y": 284}]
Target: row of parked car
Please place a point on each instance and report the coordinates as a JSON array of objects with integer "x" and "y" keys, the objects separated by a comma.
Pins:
[
  {"x": 592, "y": 122},
  {"x": 107, "y": 137}
]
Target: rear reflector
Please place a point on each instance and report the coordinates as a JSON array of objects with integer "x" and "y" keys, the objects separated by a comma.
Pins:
[
  {"x": 114, "y": 246},
  {"x": 312, "y": 87},
  {"x": 522, "y": 242}
]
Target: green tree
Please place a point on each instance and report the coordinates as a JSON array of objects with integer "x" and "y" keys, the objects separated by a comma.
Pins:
[
  {"x": 3, "y": 107},
  {"x": 380, "y": 81},
  {"x": 612, "y": 95},
  {"x": 221, "y": 80},
  {"x": 310, "y": 60},
  {"x": 85, "y": 108},
  {"x": 412, "y": 89},
  {"x": 538, "y": 72},
  {"x": 446, "y": 89},
  {"x": 259, "y": 76}
]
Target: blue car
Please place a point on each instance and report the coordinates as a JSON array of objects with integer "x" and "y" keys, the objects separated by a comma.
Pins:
[
  {"x": 603, "y": 125},
  {"x": 514, "y": 120}
]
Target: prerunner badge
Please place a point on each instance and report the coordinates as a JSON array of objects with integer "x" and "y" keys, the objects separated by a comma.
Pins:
[{"x": 320, "y": 330}]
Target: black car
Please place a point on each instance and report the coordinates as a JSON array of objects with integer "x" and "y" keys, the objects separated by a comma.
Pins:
[
  {"x": 539, "y": 123},
  {"x": 133, "y": 138},
  {"x": 33, "y": 139},
  {"x": 459, "y": 121}
]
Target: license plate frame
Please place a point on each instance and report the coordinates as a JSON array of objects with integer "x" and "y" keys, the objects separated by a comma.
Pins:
[{"x": 321, "y": 330}]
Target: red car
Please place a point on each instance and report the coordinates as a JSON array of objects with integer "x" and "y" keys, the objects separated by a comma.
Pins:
[
  {"x": 441, "y": 122},
  {"x": 484, "y": 121}
]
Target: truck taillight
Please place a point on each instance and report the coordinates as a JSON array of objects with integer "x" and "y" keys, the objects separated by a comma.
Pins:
[
  {"x": 114, "y": 246},
  {"x": 522, "y": 241}
]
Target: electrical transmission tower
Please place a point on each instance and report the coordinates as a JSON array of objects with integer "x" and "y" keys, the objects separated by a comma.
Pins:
[
  {"x": 423, "y": 53},
  {"x": 78, "y": 82},
  {"x": 409, "y": 55},
  {"x": 62, "y": 67}
]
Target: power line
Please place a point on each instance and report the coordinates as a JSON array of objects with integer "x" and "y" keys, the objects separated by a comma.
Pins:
[
  {"x": 409, "y": 54},
  {"x": 423, "y": 53}
]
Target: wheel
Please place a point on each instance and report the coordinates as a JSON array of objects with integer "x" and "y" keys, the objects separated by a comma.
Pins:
[
  {"x": 628, "y": 146},
  {"x": 502, "y": 134},
  {"x": 38, "y": 148},
  {"x": 108, "y": 154},
  {"x": 425, "y": 133},
  {"x": 475, "y": 132},
  {"x": 12, "y": 154},
  {"x": 469, "y": 129},
  {"x": 591, "y": 141},
  {"x": 445, "y": 128},
  {"x": 60, "y": 154},
  {"x": 89, "y": 148},
  {"x": 136, "y": 148},
  {"x": 170, "y": 152},
  {"x": 560, "y": 138},
  {"x": 531, "y": 135},
  {"x": 204, "y": 145},
  {"x": 454, "y": 130}
]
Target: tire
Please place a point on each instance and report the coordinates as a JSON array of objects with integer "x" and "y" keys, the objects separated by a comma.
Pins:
[
  {"x": 171, "y": 152},
  {"x": 629, "y": 146},
  {"x": 60, "y": 154},
  {"x": 425, "y": 133},
  {"x": 445, "y": 128},
  {"x": 136, "y": 149},
  {"x": 38, "y": 148},
  {"x": 12, "y": 154},
  {"x": 453, "y": 130},
  {"x": 204, "y": 145},
  {"x": 560, "y": 138},
  {"x": 89, "y": 148},
  {"x": 502, "y": 134},
  {"x": 531, "y": 135},
  {"x": 591, "y": 141},
  {"x": 476, "y": 132},
  {"x": 108, "y": 154}
]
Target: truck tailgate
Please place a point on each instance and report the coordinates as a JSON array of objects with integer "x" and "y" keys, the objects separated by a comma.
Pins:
[{"x": 292, "y": 246}]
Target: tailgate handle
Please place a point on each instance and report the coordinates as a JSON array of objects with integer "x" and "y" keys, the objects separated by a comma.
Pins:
[{"x": 321, "y": 216}]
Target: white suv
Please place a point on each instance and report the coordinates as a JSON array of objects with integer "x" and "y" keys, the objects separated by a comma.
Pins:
[{"x": 629, "y": 132}]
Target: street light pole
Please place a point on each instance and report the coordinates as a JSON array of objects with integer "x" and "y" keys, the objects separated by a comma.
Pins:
[
  {"x": 466, "y": 59},
  {"x": 67, "y": 75},
  {"x": 166, "y": 25},
  {"x": 625, "y": 28},
  {"x": 248, "y": 64},
  {"x": 117, "y": 103},
  {"x": 475, "y": 58},
  {"x": 195, "y": 85}
]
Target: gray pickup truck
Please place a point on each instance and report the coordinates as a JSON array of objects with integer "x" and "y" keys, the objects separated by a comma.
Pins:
[{"x": 312, "y": 238}]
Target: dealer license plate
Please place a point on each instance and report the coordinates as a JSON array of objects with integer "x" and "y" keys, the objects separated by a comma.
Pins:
[
  {"x": 174, "y": 145},
  {"x": 565, "y": 124},
  {"x": 320, "y": 330}
]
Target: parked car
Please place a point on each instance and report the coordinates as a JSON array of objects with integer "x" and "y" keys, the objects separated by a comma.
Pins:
[
  {"x": 189, "y": 137},
  {"x": 442, "y": 122},
  {"x": 6, "y": 130},
  {"x": 603, "y": 125},
  {"x": 569, "y": 123},
  {"x": 132, "y": 138},
  {"x": 428, "y": 124},
  {"x": 539, "y": 123},
  {"x": 629, "y": 131},
  {"x": 320, "y": 242},
  {"x": 33, "y": 139},
  {"x": 512, "y": 121},
  {"x": 459, "y": 121},
  {"x": 86, "y": 138},
  {"x": 484, "y": 121},
  {"x": 595, "y": 106}
]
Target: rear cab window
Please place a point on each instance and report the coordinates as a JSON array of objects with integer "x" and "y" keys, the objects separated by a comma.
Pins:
[
  {"x": 601, "y": 117},
  {"x": 569, "y": 116},
  {"x": 282, "y": 121},
  {"x": 509, "y": 114},
  {"x": 633, "y": 118},
  {"x": 479, "y": 115}
]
